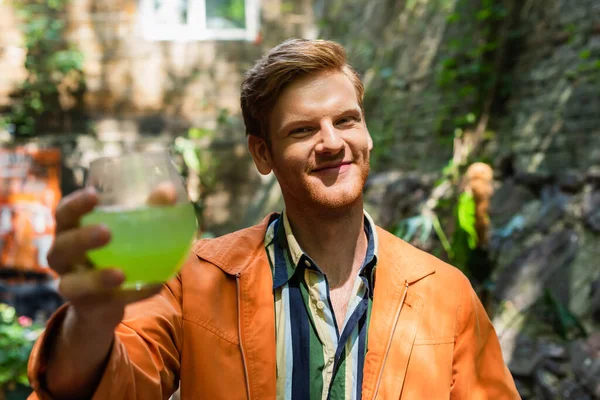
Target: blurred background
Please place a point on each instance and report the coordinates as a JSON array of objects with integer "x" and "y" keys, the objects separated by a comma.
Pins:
[{"x": 485, "y": 116}]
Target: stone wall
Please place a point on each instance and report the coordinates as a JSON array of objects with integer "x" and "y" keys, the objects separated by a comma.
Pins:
[
  {"x": 552, "y": 124},
  {"x": 396, "y": 46},
  {"x": 544, "y": 144}
]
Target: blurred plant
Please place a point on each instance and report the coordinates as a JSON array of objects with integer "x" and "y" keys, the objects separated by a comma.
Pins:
[
  {"x": 469, "y": 80},
  {"x": 55, "y": 83},
  {"x": 17, "y": 335},
  {"x": 566, "y": 324},
  {"x": 231, "y": 10},
  {"x": 462, "y": 200},
  {"x": 199, "y": 166}
]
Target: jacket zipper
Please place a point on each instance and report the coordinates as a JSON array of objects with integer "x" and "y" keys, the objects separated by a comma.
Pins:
[
  {"x": 389, "y": 344},
  {"x": 239, "y": 315}
]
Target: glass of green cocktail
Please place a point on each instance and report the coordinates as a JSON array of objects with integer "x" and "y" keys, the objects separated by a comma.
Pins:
[{"x": 143, "y": 201}]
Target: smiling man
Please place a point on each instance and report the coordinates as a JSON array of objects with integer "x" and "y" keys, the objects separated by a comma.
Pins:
[{"x": 314, "y": 303}]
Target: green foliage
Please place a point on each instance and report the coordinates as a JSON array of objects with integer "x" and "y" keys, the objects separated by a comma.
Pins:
[
  {"x": 231, "y": 10},
  {"x": 466, "y": 75},
  {"x": 197, "y": 159},
  {"x": 585, "y": 54},
  {"x": 54, "y": 69},
  {"x": 566, "y": 324},
  {"x": 465, "y": 213},
  {"x": 17, "y": 335},
  {"x": 454, "y": 213},
  {"x": 464, "y": 239}
]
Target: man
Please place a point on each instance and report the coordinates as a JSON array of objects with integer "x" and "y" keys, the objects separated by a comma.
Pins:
[{"x": 315, "y": 303}]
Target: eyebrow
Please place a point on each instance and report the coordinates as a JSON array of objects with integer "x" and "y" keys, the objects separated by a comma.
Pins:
[{"x": 300, "y": 120}]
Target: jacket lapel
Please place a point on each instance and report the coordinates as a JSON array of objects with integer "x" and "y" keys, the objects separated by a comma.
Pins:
[
  {"x": 394, "y": 318},
  {"x": 257, "y": 328},
  {"x": 242, "y": 254}
]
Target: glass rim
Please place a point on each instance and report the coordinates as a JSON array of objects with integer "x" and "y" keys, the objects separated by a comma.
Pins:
[{"x": 129, "y": 155}]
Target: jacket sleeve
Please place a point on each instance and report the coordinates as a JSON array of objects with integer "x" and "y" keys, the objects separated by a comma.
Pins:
[
  {"x": 145, "y": 357},
  {"x": 478, "y": 369}
]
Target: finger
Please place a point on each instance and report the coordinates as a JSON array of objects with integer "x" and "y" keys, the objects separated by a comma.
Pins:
[
  {"x": 70, "y": 247},
  {"x": 163, "y": 195},
  {"x": 79, "y": 285},
  {"x": 131, "y": 296},
  {"x": 116, "y": 297},
  {"x": 73, "y": 207}
]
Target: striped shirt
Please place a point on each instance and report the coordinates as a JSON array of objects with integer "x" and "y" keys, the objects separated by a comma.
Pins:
[{"x": 316, "y": 359}]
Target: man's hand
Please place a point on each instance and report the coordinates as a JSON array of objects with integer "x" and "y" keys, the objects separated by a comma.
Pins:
[{"x": 96, "y": 303}]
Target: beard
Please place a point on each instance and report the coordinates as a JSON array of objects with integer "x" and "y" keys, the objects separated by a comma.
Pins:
[{"x": 333, "y": 195}]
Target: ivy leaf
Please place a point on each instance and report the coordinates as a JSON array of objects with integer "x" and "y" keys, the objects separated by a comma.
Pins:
[{"x": 466, "y": 218}]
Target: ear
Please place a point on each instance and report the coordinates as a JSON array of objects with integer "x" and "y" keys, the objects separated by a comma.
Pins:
[
  {"x": 370, "y": 140},
  {"x": 261, "y": 154}
]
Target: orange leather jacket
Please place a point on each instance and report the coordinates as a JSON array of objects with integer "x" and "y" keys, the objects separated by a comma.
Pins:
[{"x": 213, "y": 330}]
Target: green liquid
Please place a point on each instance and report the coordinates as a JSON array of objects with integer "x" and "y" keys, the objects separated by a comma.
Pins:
[{"x": 148, "y": 244}]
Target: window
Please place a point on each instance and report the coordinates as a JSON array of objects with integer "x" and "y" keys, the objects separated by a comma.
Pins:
[{"x": 199, "y": 19}]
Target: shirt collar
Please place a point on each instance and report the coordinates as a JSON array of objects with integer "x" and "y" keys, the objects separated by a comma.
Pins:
[{"x": 288, "y": 255}]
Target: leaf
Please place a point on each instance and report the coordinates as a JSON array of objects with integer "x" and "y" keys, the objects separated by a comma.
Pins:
[
  {"x": 199, "y": 133},
  {"x": 466, "y": 218},
  {"x": 585, "y": 54},
  {"x": 565, "y": 321},
  {"x": 407, "y": 228},
  {"x": 454, "y": 17},
  {"x": 483, "y": 15}
]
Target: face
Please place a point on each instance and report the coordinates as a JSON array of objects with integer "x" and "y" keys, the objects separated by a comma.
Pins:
[{"x": 320, "y": 144}]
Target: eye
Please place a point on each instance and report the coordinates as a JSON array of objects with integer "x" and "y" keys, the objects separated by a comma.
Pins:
[
  {"x": 347, "y": 121},
  {"x": 301, "y": 131}
]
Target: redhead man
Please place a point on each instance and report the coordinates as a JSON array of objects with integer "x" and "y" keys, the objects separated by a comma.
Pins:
[{"x": 314, "y": 303}]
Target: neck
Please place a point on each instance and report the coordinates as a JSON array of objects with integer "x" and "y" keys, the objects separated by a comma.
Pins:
[{"x": 335, "y": 241}]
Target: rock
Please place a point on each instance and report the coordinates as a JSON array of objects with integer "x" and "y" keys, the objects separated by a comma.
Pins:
[
  {"x": 569, "y": 389},
  {"x": 523, "y": 281},
  {"x": 584, "y": 271},
  {"x": 557, "y": 368},
  {"x": 571, "y": 180},
  {"x": 552, "y": 349},
  {"x": 552, "y": 210},
  {"x": 546, "y": 384},
  {"x": 533, "y": 180},
  {"x": 585, "y": 362},
  {"x": 507, "y": 201},
  {"x": 525, "y": 358},
  {"x": 593, "y": 174},
  {"x": 595, "y": 301},
  {"x": 524, "y": 389},
  {"x": 391, "y": 197},
  {"x": 591, "y": 209}
]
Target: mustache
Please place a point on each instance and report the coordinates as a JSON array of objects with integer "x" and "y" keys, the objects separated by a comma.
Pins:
[{"x": 329, "y": 162}]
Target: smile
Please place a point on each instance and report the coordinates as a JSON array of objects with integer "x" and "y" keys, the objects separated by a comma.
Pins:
[{"x": 338, "y": 167}]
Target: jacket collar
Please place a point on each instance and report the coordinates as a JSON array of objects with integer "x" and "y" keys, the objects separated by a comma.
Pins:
[{"x": 235, "y": 252}]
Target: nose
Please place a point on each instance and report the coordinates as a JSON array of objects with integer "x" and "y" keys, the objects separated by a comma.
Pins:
[{"x": 330, "y": 140}]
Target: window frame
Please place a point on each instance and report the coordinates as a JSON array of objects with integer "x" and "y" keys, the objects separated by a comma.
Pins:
[{"x": 195, "y": 29}]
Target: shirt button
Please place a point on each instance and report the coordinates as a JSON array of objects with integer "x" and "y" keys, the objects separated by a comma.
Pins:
[
  {"x": 307, "y": 263},
  {"x": 320, "y": 305}
]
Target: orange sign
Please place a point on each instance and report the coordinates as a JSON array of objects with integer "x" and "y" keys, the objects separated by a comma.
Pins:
[{"x": 29, "y": 194}]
